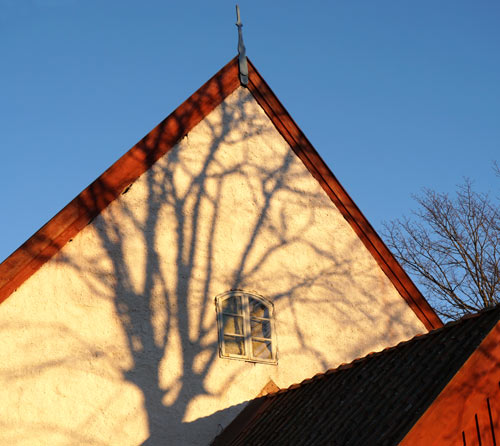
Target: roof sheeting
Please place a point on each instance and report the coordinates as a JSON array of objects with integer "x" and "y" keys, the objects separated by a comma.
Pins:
[{"x": 373, "y": 400}]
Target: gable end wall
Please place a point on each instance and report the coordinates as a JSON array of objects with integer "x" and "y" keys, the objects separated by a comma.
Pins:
[{"x": 118, "y": 330}]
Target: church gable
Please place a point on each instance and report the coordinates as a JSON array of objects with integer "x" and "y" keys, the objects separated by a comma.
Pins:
[
  {"x": 121, "y": 320},
  {"x": 87, "y": 205}
]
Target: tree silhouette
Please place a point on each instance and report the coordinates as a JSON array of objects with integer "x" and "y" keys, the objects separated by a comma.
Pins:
[{"x": 452, "y": 245}]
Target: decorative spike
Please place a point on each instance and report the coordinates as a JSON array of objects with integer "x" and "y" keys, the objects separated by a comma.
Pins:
[{"x": 242, "y": 54}]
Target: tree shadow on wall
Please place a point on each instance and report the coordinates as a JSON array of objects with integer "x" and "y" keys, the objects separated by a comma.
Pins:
[
  {"x": 217, "y": 213},
  {"x": 209, "y": 204}
]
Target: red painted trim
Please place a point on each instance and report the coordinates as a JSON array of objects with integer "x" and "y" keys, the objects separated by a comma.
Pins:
[
  {"x": 472, "y": 394},
  {"x": 319, "y": 170},
  {"x": 27, "y": 259},
  {"x": 45, "y": 243}
]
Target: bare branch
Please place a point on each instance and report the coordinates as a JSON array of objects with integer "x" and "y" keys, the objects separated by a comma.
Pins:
[{"x": 452, "y": 247}]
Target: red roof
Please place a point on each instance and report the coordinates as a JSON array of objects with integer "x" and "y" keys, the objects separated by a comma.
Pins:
[
  {"x": 375, "y": 400},
  {"x": 27, "y": 259}
]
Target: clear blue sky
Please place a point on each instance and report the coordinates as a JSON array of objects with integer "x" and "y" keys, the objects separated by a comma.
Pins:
[{"x": 395, "y": 95}]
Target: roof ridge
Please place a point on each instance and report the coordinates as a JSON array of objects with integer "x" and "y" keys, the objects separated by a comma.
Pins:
[{"x": 362, "y": 359}]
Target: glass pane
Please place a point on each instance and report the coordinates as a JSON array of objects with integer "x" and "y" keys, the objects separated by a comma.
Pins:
[
  {"x": 232, "y": 324},
  {"x": 261, "y": 329},
  {"x": 234, "y": 345},
  {"x": 232, "y": 305},
  {"x": 262, "y": 349},
  {"x": 258, "y": 309}
]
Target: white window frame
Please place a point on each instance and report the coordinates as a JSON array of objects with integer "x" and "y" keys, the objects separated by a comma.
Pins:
[{"x": 247, "y": 330}]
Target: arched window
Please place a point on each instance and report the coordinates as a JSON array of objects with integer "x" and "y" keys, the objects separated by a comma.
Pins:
[{"x": 246, "y": 327}]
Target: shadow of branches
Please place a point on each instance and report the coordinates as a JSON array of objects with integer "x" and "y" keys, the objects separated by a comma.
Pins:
[{"x": 230, "y": 207}]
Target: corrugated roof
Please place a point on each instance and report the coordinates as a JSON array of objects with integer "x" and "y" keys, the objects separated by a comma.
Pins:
[{"x": 371, "y": 401}]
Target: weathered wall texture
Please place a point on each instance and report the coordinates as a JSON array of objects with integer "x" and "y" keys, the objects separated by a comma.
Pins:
[{"x": 114, "y": 341}]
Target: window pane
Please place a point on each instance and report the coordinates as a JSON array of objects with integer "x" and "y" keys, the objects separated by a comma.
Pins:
[
  {"x": 258, "y": 309},
  {"x": 232, "y": 305},
  {"x": 261, "y": 329},
  {"x": 262, "y": 349},
  {"x": 232, "y": 324},
  {"x": 234, "y": 345}
]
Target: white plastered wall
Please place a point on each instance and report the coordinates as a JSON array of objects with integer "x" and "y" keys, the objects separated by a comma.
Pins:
[{"x": 114, "y": 340}]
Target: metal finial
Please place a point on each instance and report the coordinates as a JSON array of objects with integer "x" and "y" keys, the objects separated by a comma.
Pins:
[{"x": 242, "y": 54}]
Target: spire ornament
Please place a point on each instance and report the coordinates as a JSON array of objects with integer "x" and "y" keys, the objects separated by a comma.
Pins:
[{"x": 242, "y": 54}]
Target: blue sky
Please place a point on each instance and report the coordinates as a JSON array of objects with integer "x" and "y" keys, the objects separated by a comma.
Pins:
[{"x": 394, "y": 95}]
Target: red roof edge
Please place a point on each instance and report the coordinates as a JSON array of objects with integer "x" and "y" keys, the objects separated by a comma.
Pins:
[
  {"x": 319, "y": 170},
  {"x": 47, "y": 241}
]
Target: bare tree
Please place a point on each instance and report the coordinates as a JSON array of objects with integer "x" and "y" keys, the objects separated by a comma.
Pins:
[{"x": 452, "y": 246}]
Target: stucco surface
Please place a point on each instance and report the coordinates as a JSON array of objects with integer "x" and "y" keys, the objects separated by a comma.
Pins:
[{"x": 114, "y": 340}]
